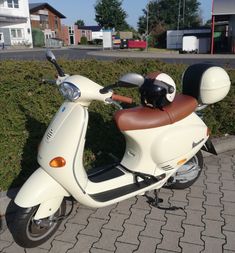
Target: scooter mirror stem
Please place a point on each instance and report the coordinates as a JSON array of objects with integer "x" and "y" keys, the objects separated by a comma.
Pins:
[
  {"x": 108, "y": 88},
  {"x": 51, "y": 58}
]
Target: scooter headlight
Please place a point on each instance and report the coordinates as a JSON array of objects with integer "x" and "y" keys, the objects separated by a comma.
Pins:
[{"x": 70, "y": 91}]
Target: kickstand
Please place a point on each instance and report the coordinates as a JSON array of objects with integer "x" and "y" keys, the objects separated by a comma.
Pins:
[{"x": 156, "y": 201}]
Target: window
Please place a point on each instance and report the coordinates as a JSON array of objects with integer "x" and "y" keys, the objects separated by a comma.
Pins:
[
  {"x": 13, "y": 3},
  {"x": 56, "y": 22},
  {"x": 71, "y": 30},
  {"x": 44, "y": 21},
  {"x": 1, "y": 3},
  {"x": 17, "y": 33},
  {"x": 13, "y": 33}
]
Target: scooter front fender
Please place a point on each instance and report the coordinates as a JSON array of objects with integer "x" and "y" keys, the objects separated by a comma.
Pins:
[{"x": 41, "y": 189}]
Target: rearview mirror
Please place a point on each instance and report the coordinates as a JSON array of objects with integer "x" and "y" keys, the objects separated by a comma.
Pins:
[
  {"x": 130, "y": 80},
  {"x": 50, "y": 56}
]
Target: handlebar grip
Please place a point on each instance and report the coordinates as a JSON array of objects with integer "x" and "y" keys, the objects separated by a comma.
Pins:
[
  {"x": 122, "y": 99},
  {"x": 47, "y": 81}
]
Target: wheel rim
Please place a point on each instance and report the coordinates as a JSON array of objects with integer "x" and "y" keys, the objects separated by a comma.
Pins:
[
  {"x": 38, "y": 229},
  {"x": 188, "y": 172}
]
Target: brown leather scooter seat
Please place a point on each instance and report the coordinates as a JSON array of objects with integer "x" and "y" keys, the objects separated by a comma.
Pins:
[{"x": 144, "y": 117}]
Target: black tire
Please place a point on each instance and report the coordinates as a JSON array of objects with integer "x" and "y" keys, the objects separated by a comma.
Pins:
[
  {"x": 28, "y": 233},
  {"x": 173, "y": 183}
]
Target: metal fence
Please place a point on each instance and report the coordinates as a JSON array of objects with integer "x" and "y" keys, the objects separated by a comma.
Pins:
[{"x": 53, "y": 43}]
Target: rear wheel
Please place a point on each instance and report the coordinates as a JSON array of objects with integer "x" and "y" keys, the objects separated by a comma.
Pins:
[
  {"x": 187, "y": 174},
  {"x": 29, "y": 233}
]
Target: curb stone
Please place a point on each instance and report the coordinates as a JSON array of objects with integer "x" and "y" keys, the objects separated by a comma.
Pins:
[
  {"x": 222, "y": 144},
  {"x": 157, "y": 55}
]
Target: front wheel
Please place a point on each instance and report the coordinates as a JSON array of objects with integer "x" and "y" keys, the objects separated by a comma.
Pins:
[
  {"x": 30, "y": 233},
  {"x": 187, "y": 174}
]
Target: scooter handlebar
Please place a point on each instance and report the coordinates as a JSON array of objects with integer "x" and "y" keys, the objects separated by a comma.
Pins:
[{"x": 123, "y": 99}]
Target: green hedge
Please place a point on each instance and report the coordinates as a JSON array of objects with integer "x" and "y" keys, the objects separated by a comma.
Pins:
[
  {"x": 28, "y": 106},
  {"x": 38, "y": 37},
  {"x": 84, "y": 40}
]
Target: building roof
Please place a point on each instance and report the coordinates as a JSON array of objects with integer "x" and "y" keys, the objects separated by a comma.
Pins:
[
  {"x": 39, "y": 6},
  {"x": 224, "y": 7},
  {"x": 93, "y": 28}
]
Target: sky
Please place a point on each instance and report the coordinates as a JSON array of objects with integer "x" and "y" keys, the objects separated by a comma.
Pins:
[{"x": 80, "y": 9}]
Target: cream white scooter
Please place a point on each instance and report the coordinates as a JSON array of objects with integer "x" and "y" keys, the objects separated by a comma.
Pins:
[{"x": 162, "y": 148}]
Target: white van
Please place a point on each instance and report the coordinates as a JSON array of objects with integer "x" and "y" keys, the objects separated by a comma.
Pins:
[{"x": 197, "y": 44}]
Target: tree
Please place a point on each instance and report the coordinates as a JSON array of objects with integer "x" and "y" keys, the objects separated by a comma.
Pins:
[
  {"x": 80, "y": 22},
  {"x": 110, "y": 14},
  {"x": 170, "y": 14},
  {"x": 208, "y": 23}
]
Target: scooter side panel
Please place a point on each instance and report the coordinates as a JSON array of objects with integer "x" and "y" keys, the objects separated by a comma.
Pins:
[
  {"x": 180, "y": 140},
  {"x": 147, "y": 149}
]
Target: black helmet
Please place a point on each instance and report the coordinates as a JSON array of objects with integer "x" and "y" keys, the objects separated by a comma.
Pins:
[{"x": 157, "y": 92}]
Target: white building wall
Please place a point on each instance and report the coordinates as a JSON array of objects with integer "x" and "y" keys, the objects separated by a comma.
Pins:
[
  {"x": 97, "y": 35},
  {"x": 21, "y": 12},
  {"x": 26, "y": 39}
]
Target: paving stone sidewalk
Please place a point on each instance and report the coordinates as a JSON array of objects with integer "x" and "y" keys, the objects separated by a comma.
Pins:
[{"x": 206, "y": 224}]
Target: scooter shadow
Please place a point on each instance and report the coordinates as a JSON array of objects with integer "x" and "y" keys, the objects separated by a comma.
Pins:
[
  {"x": 104, "y": 142},
  {"x": 35, "y": 130}
]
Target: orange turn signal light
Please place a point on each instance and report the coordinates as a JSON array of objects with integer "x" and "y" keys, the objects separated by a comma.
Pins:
[
  {"x": 57, "y": 162},
  {"x": 181, "y": 161}
]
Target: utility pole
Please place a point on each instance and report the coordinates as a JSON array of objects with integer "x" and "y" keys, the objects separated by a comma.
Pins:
[
  {"x": 147, "y": 26},
  {"x": 178, "y": 25},
  {"x": 212, "y": 27},
  {"x": 184, "y": 5},
  {"x": 179, "y": 6}
]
